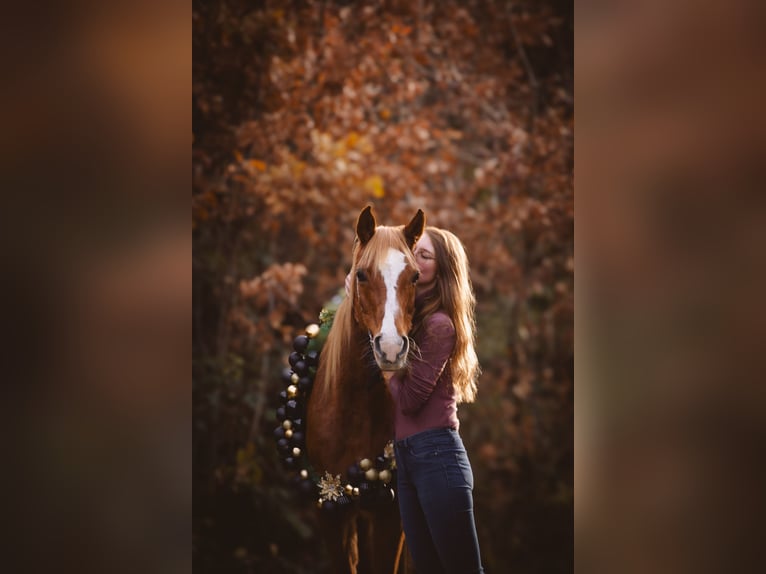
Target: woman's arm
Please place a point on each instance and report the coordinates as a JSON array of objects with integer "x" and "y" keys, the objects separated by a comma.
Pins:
[{"x": 418, "y": 382}]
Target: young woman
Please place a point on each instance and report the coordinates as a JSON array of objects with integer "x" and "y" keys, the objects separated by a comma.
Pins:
[{"x": 435, "y": 481}]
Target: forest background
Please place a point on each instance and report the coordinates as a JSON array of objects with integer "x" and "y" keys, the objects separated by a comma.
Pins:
[{"x": 303, "y": 113}]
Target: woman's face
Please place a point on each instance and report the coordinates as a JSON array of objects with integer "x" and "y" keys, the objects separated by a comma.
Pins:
[{"x": 426, "y": 260}]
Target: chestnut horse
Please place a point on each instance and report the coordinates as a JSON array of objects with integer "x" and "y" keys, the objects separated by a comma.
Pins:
[{"x": 350, "y": 410}]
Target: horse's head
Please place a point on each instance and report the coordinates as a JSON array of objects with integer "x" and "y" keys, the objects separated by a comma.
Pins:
[{"x": 383, "y": 285}]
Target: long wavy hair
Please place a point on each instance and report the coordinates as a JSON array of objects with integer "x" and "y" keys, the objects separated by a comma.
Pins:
[{"x": 454, "y": 295}]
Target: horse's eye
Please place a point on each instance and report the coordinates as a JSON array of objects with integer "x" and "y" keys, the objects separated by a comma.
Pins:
[
  {"x": 361, "y": 276},
  {"x": 416, "y": 277}
]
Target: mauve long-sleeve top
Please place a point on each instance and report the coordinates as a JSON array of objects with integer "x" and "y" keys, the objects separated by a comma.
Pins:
[{"x": 424, "y": 397}]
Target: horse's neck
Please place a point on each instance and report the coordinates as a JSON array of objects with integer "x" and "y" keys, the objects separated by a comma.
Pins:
[
  {"x": 359, "y": 381},
  {"x": 355, "y": 417}
]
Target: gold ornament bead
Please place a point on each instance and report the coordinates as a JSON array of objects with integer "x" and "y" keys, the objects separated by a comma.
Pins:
[
  {"x": 385, "y": 476},
  {"x": 371, "y": 474},
  {"x": 365, "y": 464},
  {"x": 304, "y": 473},
  {"x": 292, "y": 390},
  {"x": 312, "y": 330},
  {"x": 294, "y": 378},
  {"x": 349, "y": 489},
  {"x": 296, "y": 451},
  {"x": 289, "y": 433},
  {"x": 287, "y": 424},
  {"x": 355, "y": 492},
  {"x": 319, "y": 503}
]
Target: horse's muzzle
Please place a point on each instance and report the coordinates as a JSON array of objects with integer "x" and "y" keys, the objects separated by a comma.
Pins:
[{"x": 390, "y": 352}]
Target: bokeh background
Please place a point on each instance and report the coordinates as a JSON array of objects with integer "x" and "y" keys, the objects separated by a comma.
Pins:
[
  {"x": 669, "y": 418},
  {"x": 303, "y": 113}
]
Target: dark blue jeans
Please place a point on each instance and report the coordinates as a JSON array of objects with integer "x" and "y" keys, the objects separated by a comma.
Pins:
[{"x": 435, "y": 485}]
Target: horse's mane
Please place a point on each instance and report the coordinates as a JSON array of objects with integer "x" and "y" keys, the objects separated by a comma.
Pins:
[{"x": 339, "y": 340}]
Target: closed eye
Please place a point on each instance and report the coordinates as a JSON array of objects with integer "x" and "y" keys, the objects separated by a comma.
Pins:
[{"x": 424, "y": 255}]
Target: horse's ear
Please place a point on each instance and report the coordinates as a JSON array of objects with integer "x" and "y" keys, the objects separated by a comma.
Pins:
[
  {"x": 414, "y": 228},
  {"x": 365, "y": 225}
]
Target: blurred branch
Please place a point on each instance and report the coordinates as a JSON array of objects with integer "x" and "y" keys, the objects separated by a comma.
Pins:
[
  {"x": 534, "y": 84},
  {"x": 260, "y": 396}
]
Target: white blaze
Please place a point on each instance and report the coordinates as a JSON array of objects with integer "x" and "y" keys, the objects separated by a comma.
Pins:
[{"x": 390, "y": 269}]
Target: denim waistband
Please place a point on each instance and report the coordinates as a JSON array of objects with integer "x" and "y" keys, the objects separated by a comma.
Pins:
[{"x": 417, "y": 437}]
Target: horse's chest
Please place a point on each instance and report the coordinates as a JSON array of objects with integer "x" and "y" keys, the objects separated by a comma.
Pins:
[{"x": 351, "y": 430}]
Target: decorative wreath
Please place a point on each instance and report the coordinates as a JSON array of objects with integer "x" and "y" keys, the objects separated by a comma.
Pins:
[{"x": 370, "y": 482}]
